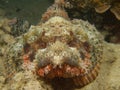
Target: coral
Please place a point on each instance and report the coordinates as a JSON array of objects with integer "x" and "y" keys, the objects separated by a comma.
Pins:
[
  {"x": 116, "y": 10},
  {"x": 104, "y": 14},
  {"x": 4, "y": 25},
  {"x": 100, "y": 6},
  {"x": 19, "y": 26},
  {"x": 2, "y": 80},
  {"x": 14, "y": 27},
  {"x": 10, "y": 28}
]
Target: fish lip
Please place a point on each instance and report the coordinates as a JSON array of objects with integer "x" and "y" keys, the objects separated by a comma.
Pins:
[{"x": 65, "y": 71}]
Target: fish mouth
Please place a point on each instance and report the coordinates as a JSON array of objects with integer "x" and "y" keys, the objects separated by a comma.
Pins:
[
  {"x": 65, "y": 71},
  {"x": 77, "y": 75}
]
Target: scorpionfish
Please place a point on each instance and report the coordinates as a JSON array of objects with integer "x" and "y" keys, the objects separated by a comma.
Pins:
[{"x": 57, "y": 47}]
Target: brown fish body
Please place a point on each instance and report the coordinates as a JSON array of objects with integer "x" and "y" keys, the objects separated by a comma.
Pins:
[{"x": 58, "y": 47}]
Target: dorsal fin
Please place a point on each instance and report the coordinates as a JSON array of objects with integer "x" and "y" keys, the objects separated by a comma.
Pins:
[{"x": 57, "y": 9}]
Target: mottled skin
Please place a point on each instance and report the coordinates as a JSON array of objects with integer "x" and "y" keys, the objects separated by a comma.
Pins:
[{"x": 58, "y": 47}]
